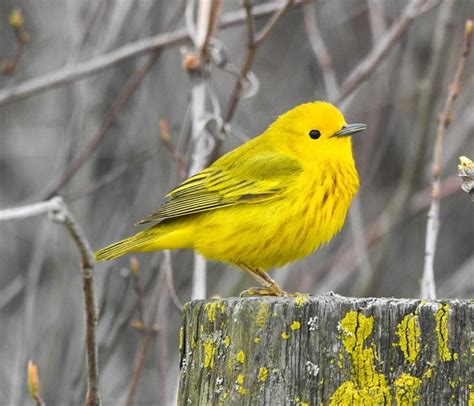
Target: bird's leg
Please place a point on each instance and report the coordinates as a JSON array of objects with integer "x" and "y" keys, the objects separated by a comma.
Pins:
[{"x": 269, "y": 286}]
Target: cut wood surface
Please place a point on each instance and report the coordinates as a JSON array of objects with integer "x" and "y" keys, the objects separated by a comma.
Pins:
[{"x": 331, "y": 350}]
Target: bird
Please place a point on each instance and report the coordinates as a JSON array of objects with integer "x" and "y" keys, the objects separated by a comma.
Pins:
[{"x": 270, "y": 201}]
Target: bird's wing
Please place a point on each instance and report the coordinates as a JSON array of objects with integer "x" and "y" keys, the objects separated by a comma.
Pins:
[{"x": 259, "y": 178}]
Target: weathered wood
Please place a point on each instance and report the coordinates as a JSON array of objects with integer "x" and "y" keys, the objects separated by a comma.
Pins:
[{"x": 327, "y": 350}]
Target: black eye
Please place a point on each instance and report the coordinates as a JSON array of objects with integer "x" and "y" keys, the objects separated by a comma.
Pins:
[{"x": 314, "y": 134}]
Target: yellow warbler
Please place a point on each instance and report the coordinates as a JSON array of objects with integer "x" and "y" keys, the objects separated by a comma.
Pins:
[{"x": 268, "y": 202}]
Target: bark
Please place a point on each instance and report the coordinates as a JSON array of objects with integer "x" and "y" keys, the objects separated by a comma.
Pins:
[{"x": 327, "y": 350}]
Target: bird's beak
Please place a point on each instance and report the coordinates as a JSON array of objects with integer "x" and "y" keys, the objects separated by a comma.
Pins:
[{"x": 350, "y": 129}]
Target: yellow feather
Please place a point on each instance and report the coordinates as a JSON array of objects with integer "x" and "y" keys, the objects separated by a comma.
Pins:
[{"x": 269, "y": 202}]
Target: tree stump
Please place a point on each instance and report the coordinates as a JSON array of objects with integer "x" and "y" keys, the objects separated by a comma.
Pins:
[{"x": 329, "y": 350}]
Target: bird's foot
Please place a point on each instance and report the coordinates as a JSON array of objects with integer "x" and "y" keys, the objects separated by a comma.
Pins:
[{"x": 274, "y": 290}]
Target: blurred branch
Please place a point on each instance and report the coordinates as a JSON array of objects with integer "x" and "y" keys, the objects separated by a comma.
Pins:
[
  {"x": 59, "y": 213},
  {"x": 117, "y": 106},
  {"x": 148, "y": 330},
  {"x": 254, "y": 41},
  {"x": 169, "y": 280},
  {"x": 466, "y": 172},
  {"x": 428, "y": 290},
  {"x": 16, "y": 21},
  {"x": 332, "y": 90},
  {"x": 362, "y": 71},
  {"x": 345, "y": 257},
  {"x": 376, "y": 18},
  {"x": 320, "y": 50},
  {"x": 412, "y": 166},
  {"x": 68, "y": 74}
]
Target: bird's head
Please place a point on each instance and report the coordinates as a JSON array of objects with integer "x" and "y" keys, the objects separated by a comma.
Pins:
[{"x": 312, "y": 131}]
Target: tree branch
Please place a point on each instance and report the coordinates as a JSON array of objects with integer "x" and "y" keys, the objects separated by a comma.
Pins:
[
  {"x": 428, "y": 290},
  {"x": 59, "y": 213},
  {"x": 68, "y": 74},
  {"x": 362, "y": 71}
]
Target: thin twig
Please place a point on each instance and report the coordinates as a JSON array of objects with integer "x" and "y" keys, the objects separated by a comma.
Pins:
[
  {"x": 428, "y": 290},
  {"x": 169, "y": 281},
  {"x": 119, "y": 103},
  {"x": 58, "y": 212},
  {"x": 149, "y": 330},
  {"x": 258, "y": 38},
  {"x": 332, "y": 90},
  {"x": 68, "y": 74},
  {"x": 363, "y": 70},
  {"x": 320, "y": 50}
]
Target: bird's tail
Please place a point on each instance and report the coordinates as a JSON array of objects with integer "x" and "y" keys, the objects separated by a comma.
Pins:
[{"x": 137, "y": 243}]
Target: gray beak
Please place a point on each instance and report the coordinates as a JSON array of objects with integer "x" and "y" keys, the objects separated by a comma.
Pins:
[{"x": 350, "y": 129}]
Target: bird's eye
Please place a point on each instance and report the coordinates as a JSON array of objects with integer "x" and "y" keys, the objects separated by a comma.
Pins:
[{"x": 314, "y": 134}]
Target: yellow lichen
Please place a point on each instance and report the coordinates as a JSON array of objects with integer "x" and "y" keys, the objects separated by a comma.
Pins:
[
  {"x": 262, "y": 315},
  {"x": 295, "y": 325},
  {"x": 226, "y": 341},
  {"x": 240, "y": 357},
  {"x": 239, "y": 382},
  {"x": 285, "y": 335},
  {"x": 300, "y": 299},
  {"x": 262, "y": 374},
  {"x": 442, "y": 334},
  {"x": 211, "y": 309},
  {"x": 367, "y": 387},
  {"x": 408, "y": 331},
  {"x": 256, "y": 340},
  {"x": 209, "y": 349},
  {"x": 407, "y": 389},
  {"x": 428, "y": 373},
  {"x": 471, "y": 395}
]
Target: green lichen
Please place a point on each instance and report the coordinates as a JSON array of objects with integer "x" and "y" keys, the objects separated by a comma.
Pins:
[
  {"x": 367, "y": 386},
  {"x": 443, "y": 334},
  {"x": 409, "y": 333},
  {"x": 407, "y": 388},
  {"x": 262, "y": 374},
  {"x": 256, "y": 340}
]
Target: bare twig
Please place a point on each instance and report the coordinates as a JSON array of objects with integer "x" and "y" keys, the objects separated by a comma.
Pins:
[
  {"x": 95, "y": 65},
  {"x": 332, "y": 90},
  {"x": 254, "y": 41},
  {"x": 320, "y": 50},
  {"x": 148, "y": 331},
  {"x": 58, "y": 212},
  {"x": 169, "y": 280},
  {"x": 428, "y": 290},
  {"x": 135, "y": 272},
  {"x": 361, "y": 72}
]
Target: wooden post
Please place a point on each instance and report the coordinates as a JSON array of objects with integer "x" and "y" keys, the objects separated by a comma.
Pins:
[{"x": 327, "y": 350}]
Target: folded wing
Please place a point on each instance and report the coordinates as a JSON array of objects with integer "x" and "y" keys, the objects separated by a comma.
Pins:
[{"x": 259, "y": 178}]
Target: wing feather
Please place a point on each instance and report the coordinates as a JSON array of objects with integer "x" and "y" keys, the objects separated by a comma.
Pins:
[{"x": 260, "y": 178}]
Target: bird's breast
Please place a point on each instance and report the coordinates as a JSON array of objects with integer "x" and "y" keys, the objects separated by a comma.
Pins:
[{"x": 270, "y": 234}]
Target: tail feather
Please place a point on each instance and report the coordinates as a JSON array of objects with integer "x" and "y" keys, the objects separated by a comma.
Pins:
[{"x": 135, "y": 243}]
